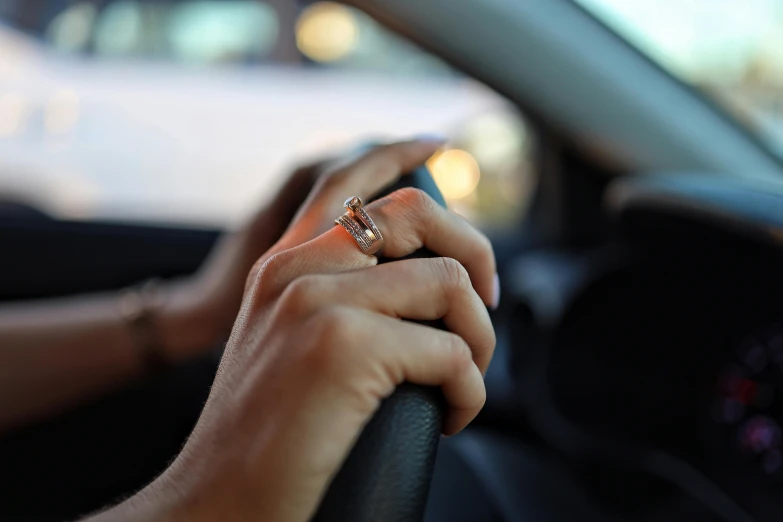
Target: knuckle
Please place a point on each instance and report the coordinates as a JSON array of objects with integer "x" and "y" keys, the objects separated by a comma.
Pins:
[
  {"x": 486, "y": 254},
  {"x": 492, "y": 342},
  {"x": 415, "y": 199},
  {"x": 453, "y": 273},
  {"x": 485, "y": 244},
  {"x": 460, "y": 353},
  {"x": 269, "y": 275},
  {"x": 334, "y": 325},
  {"x": 301, "y": 295},
  {"x": 252, "y": 275},
  {"x": 332, "y": 332},
  {"x": 480, "y": 398}
]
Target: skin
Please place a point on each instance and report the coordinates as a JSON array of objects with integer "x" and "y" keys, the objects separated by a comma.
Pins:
[
  {"x": 319, "y": 341},
  {"x": 58, "y": 353}
]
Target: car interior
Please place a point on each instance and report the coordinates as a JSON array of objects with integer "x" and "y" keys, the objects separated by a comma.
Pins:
[{"x": 639, "y": 367}]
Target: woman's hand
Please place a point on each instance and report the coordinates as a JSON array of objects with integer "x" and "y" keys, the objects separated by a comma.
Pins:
[
  {"x": 199, "y": 312},
  {"x": 318, "y": 344}
]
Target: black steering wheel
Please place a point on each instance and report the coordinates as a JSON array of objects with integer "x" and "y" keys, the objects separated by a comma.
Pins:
[{"x": 387, "y": 475}]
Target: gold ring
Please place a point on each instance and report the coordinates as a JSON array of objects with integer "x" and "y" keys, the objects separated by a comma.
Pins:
[{"x": 360, "y": 225}]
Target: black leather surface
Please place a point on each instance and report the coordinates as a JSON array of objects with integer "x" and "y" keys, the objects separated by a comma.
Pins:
[{"x": 387, "y": 475}]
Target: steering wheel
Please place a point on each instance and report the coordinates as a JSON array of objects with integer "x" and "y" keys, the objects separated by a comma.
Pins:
[{"x": 387, "y": 475}]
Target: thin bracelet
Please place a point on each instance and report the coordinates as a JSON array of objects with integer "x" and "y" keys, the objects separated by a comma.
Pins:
[{"x": 139, "y": 306}]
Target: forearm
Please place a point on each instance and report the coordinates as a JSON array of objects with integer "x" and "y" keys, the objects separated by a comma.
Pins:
[{"x": 57, "y": 353}]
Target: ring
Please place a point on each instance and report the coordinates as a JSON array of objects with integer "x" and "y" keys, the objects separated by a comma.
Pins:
[{"x": 360, "y": 225}]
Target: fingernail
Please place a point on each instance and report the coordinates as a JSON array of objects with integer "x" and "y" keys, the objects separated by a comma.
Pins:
[
  {"x": 431, "y": 138},
  {"x": 496, "y": 294}
]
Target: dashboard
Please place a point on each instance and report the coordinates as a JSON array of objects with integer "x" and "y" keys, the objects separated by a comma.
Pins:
[{"x": 669, "y": 359}]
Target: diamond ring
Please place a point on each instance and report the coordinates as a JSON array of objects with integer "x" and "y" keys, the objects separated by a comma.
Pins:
[{"x": 360, "y": 225}]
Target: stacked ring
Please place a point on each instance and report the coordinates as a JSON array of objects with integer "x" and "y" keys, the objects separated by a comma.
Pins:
[{"x": 360, "y": 225}]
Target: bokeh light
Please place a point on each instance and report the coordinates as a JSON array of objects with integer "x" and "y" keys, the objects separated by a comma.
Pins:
[
  {"x": 222, "y": 31},
  {"x": 70, "y": 30},
  {"x": 456, "y": 172},
  {"x": 495, "y": 139},
  {"x": 326, "y": 31},
  {"x": 119, "y": 30}
]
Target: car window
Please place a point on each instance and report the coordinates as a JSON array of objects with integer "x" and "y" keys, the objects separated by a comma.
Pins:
[
  {"x": 731, "y": 50},
  {"x": 192, "y": 111}
]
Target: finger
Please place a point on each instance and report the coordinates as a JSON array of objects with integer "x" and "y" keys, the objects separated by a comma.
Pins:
[
  {"x": 372, "y": 354},
  {"x": 422, "y": 289},
  {"x": 300, "y": 184},
  {"x": 414, "y": 220},
  {"x": 287, "y": 201},
  {"x": 409, "y": 220},
  {"x": 365, "y": 177},
  {"x": 383, "y": 165}
]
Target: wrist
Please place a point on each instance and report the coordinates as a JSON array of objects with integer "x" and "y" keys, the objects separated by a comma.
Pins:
[
  {"x": 139, "y": 307},
  {"x": 187, "y": 326},
  {"x": 202, "y": 487}
]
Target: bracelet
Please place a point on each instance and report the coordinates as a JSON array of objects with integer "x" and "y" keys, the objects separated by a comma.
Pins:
[{"x": 139, "y": 306}]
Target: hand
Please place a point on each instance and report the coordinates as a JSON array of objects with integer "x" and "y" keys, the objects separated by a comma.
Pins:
[
  {"x": 200, "y": 311},
  {"x": 317, "y": 345}
]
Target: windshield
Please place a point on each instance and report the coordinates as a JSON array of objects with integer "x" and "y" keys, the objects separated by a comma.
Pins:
[
  {"x": 192, "y": 111},
  {"x": 729, "y": 49}
]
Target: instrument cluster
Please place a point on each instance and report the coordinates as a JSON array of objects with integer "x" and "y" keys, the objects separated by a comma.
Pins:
[{"x": 748, "y": 406}]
